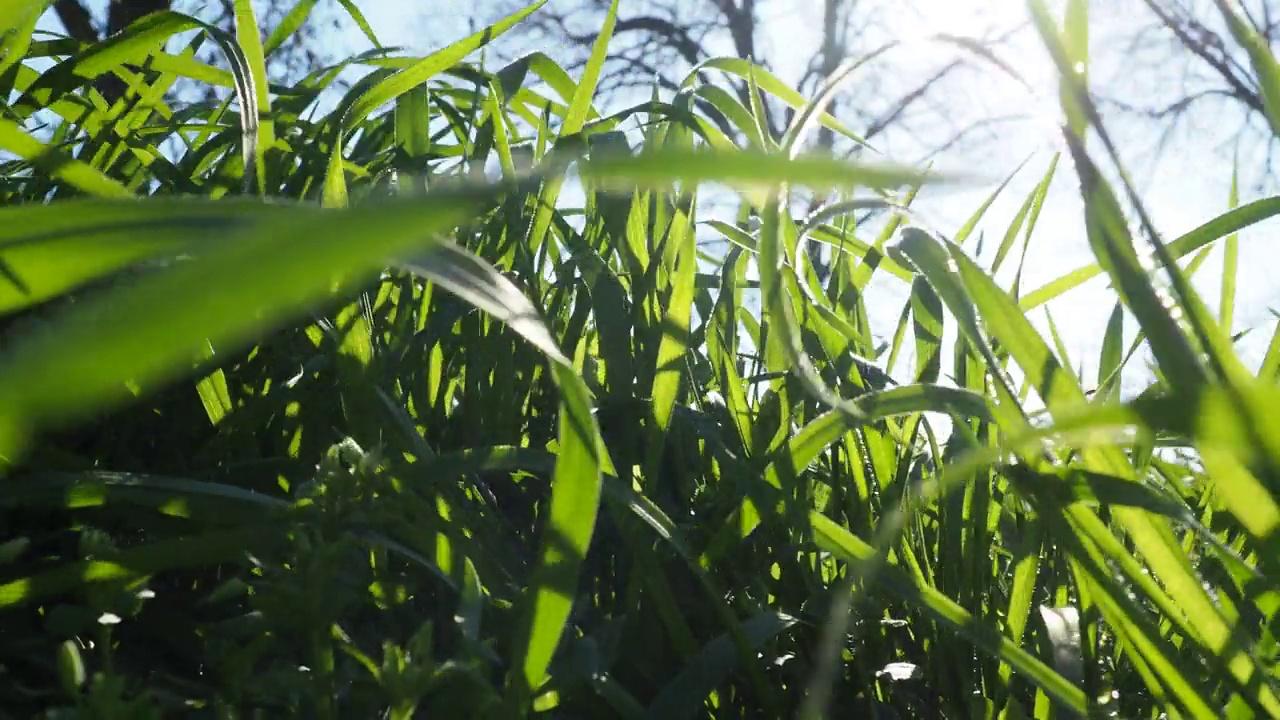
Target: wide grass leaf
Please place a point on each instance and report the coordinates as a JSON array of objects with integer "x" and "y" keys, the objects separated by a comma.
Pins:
[
  {"x": 152, "y": 330},
  {"x": 46, "y": 250}
]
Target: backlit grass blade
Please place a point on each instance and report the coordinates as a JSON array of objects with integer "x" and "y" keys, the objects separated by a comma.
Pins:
[
  {"x": 1114, "y": 247},
  {"x": 401, "y": 82},
  {"x": 1037, "y": 204},
  {"x": 221, "y": 546},
  {"x": 1075, "y": 42},
  {"x": 575, "y": 117},
  {"x": 1269, "y": 370},
  {"x": 297, "y": 16},
  {"x": 1215, "y": 229},
  {"x": 75, "y": 173},
  {"x": 674, "y": 328},
  {"x": 46, "y": 250},
  {"x": 580, "y": 107},
  {"x": 395, "y": 85},
  {"x": 149, "y": 331},
  {"x": 512, "y": 77},
  {"x": 250, "y": 43},
  {"x": 963, "y": 233},
  {"x": 214, "y": 392},
  {"x": 730, "y": 107},
  {"x": 1230, "y": 259},
  {"x": 1261, "y": 58},
  {"x": 358, "y": 17},
  {"x": 413, "y": 137},
  {"x": 1052, "y": 382},
  {"x": 135, "y": 45},
  {"x": 1011, "y": 232},
  {"x": 927, "y": 324},
  {"x": 15, "y": 40},
  {"x": 576, "y": 480},
  {"x": 768, "y": 82},
  {"x": 1110, "y": 360},
  {"x": 15, "y": 13},
  {"x": 574, "y": 502}
]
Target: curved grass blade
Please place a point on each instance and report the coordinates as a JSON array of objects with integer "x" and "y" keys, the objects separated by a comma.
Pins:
[
  {"x": 1215, "y": 229},
  {"x": 75, "y": 173},
  {"x": 1061, "y": 393},
  {"x": 767, "y": 81},
  {"x": 141, "y": 562},
  {"x": 46, "y": 250},
  {"x": 289, "y": 25},
  {"x": 256, "y": 65},
  {"x": 177, "y": 497},
  {"x": 1261, "y": 58},
  {"x": 358, "y": 17},
  {"x": 16, "y": 13},
  {"x": 837, "y": 540},
  {"x": 149, "y": 331},
  {"x": 576, "y": 479},
  {"x": 393, "y": 86}
]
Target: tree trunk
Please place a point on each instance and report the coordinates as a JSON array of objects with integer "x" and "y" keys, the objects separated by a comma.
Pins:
[
  {"x": 832, "y": 54},
  {"x": 121, "y": 14},
  {"x": 125, "y": 12}
]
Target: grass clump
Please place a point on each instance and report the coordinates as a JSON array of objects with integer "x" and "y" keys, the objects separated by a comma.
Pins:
[{"x": 348, "y": 414}]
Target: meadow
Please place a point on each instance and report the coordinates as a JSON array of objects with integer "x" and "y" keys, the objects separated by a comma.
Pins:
[{"x": 349, "y": 413}]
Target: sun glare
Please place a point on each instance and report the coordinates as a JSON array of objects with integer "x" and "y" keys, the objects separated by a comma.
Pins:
[{"x": 966, "y": 18}]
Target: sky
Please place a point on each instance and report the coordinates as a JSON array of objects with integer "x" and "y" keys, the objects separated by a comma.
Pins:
[{"x": 1189, "y": 187}]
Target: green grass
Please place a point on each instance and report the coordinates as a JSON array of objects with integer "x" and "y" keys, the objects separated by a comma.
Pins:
[{"x": 348, "y": 414}]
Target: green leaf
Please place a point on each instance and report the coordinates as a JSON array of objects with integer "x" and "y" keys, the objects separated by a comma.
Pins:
[
  {"x": 149, "y": 331},
  {"x": 399, "y": 83},
  {"x": 1230, "y": 258},
  {"x": 222, "y": 546},
  {"x": 1261, "y": 58},
  {"x": 260, "y": 125},
  {"x": 1219, "y": 227},
  {"x": 291, "y": 23},
  {"x": 74, "y": 172},
  {"x": 580, "y": 107},
  {"x": 46, "y": 250},
  {"x": 16, "y": 13}
]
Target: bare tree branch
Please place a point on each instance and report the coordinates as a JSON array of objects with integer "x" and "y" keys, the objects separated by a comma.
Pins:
[
  {"x": 76, "y": 19},
  {"x": 678, "y": 38},
  {"x": 1194, "y": 76},
  {"x": 912, "y": 97}
]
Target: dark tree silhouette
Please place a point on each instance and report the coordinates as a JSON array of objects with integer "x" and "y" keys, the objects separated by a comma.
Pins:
[
  {"x": 92, "y": 21},
  {"x": 663, "y": 40},
  {"x": 1181, "y": 70}
]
